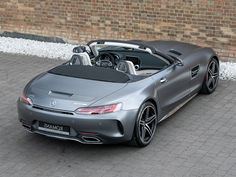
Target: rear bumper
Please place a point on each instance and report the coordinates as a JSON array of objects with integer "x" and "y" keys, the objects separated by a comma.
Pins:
[{"x": 90, "y": 129}]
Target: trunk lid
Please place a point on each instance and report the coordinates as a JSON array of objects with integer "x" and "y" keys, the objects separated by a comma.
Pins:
[{"x": 68, "y": 93}]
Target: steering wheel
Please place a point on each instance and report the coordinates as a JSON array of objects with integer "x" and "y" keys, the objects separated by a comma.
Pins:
[{"x": 105, "y": 60}]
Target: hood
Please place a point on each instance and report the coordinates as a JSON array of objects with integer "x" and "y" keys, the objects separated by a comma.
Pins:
[
  {"x": 177, "y": 48},
  {"x": 68, "y": 93}
]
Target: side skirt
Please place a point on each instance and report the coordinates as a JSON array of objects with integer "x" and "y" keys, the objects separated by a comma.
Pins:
[{"x": 177, "y": 108}]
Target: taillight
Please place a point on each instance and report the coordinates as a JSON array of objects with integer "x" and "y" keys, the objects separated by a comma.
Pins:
[
  {"x": 25, "y": 100},
  {"x": 99, "y": 109}
]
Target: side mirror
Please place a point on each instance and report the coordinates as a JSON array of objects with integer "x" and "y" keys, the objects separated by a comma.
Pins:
[{"x": 179, "y": 62}]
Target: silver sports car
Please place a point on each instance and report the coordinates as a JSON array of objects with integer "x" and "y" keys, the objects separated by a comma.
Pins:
[{"x": 117, "y": 91}]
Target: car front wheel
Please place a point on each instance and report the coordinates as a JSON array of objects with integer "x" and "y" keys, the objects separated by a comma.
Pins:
[
  {"x": 146, "y": 124},
  {"x": 211, "y": 78}
]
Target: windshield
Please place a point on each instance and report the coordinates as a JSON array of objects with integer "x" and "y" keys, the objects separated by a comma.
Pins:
[
  {"x": 117, "y": 48},
  {"x": 140, "y": 58}
]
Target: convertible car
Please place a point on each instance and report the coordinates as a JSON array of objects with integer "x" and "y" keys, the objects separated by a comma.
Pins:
[{"x": 114, "y": 91}]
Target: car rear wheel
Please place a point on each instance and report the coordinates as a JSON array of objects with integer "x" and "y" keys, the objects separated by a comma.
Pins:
[
  {"x": 146, "y": 124},
  {"x": 211, "y": 78}
]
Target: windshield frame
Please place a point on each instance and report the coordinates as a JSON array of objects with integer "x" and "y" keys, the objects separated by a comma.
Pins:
[{"x": 95, "y": 45}]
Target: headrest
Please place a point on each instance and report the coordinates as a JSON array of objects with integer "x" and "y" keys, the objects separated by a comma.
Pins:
[
  {"x": 81, "y": 59},
  {"x": 126, "y": 67}
]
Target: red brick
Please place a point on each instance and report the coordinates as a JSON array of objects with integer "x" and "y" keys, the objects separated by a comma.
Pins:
[{"x": 201, "y": 22}]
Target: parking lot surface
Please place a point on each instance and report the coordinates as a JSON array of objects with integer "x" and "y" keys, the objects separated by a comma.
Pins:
[{"x": 198, "y": 141}]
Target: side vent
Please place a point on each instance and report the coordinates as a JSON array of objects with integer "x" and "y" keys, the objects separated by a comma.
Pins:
[{"x": 194, "y": 71}]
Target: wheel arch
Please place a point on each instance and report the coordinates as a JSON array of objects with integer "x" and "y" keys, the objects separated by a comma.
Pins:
[
  {"x": 134, "y": 140},
  {"x": 153, "y": 101},
  {"x": 211, "y": 54},
  {"x": 204, "y": 88},
  {"x": 215, "y": 57}
]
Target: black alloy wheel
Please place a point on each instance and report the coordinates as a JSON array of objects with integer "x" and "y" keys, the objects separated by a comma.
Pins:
[{"x": 212, "y": 77}]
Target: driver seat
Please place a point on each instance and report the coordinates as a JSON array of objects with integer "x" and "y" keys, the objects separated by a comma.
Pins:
[
  {"x": 81, "y": 59},
  {"x": 126, "y": 67}
]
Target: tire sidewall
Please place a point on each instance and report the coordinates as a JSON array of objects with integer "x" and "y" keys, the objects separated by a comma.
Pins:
[
  {"x": 205, "y": 89},
  {"x": 206, "y": 78},
  {"x": 136, "y": 132}
]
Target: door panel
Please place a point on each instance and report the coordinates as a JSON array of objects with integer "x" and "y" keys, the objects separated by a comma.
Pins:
[{"x": 172, "y": 87}]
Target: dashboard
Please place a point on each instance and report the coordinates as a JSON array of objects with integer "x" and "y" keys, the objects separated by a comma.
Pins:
[{"x": 141, "y": 60}]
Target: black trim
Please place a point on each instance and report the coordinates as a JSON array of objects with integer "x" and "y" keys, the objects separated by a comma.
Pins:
[{"x": 91, "y": 73}]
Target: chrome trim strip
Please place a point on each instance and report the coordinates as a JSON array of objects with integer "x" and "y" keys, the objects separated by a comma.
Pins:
[
  {"x": 177, "y": 108},
  {"x": 96, "y": 140},
  {"x": 62, "y": 138},
  {"x": 58, "y": 137}
]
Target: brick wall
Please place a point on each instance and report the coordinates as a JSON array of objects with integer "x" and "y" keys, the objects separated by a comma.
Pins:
[{"x": 204, "y": 22}]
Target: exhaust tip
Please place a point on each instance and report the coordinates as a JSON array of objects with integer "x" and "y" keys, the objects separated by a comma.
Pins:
[{"x": 89, "y": 139}]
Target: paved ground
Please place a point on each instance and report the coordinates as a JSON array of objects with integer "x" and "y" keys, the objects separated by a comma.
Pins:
[{"x": 199, "y": 140}]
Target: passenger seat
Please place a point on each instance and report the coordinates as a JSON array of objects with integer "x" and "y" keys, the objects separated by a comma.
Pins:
[{"x": 126, "y": 67}]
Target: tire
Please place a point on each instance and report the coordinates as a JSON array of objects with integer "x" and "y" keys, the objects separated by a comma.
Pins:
[
  {"x": 211, "y": 77},
  {"x": 145, "y": 126}
]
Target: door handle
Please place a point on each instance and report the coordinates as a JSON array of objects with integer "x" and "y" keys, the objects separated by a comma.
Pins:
[{"x": 163, "y": 80}]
